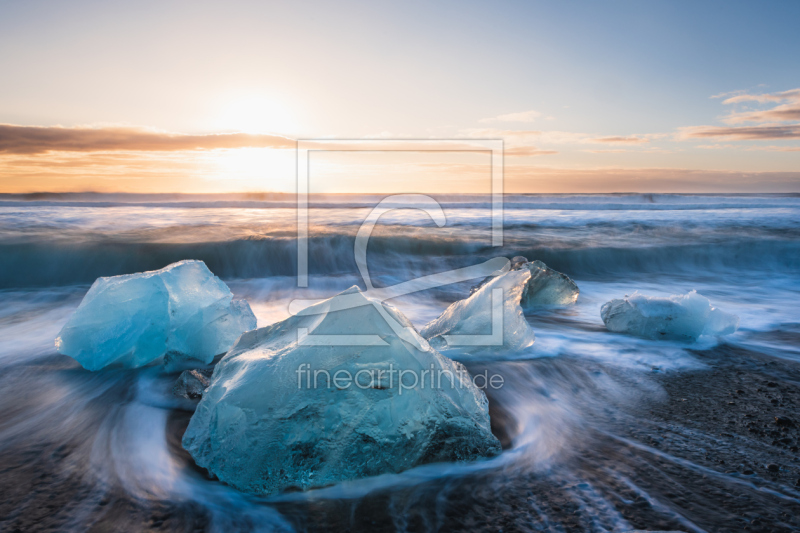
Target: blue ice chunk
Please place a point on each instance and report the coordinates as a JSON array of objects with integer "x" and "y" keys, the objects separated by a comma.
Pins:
[
  {"x": 276, "y": 416},
  {"x": 183, "y": 311},
  {"x": 678, "y": 317},
  {"x": 492, "y": 310},
  {"x": 547, "y": 287}
]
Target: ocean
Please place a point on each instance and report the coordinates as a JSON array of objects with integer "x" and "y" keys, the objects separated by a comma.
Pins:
[{"x": 601, "y": 431}]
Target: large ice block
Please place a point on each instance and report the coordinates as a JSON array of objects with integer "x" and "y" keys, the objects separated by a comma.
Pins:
[
  {"x": 491, "y": 310},
  {"x": 183, "y": 311},
  {"x": 281, "y": 413},
  {"x": 678, "y": 317}
]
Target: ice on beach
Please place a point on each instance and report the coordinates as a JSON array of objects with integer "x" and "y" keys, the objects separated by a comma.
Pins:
[
  {"x": 275, "y": 416},
  {"x": 182, "y": 311},
  {"x": 466, "y": 324},
  {"x": 547, "y": 287},
  {"x": 678, "y": 317}
]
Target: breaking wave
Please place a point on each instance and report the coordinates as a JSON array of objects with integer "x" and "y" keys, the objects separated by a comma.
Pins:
[{"x": 59, "y": 264}]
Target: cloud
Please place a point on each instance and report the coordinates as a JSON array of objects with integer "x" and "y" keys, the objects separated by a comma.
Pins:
[
  {"x": 527, "y": 151},
  {"x": 781, "y": 121},
  {"x": 558, "y": 137},
  {"x": 793, "y": 94},
  {"x": 629, "y": 151},
  {"x": 16, "y": 139},
  {"x": 523, "y": 143},
  {"x": 775, "y": 148},
  {"x": 522, "y": 116},
  {"x": 493, "y": 133},
  {"x": 620, "y": 140},
  {"x": 786, "y": 110},
  {"x": 771, "y": 148},
  {"x": 726, "y": 94},
  {"x": 741, "y": 133},
  {"x": 718, "y": 147},
  {"x": 781, "y": 113}
]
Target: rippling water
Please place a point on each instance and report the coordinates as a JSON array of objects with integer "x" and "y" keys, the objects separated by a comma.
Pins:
[{"x": 590, "y": 441}]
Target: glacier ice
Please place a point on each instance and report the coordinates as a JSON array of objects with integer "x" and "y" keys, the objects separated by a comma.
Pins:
[
  {"x": 182, "y": 311},
  {"x": 545, "y": 287},
  {"x": 678, "y": 317},
  {"x": 459, "y": 326},
  {"x": 275, "y": 416}
]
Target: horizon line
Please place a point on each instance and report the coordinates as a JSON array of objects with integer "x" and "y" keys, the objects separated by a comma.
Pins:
[{"x": 293, "y": 194}]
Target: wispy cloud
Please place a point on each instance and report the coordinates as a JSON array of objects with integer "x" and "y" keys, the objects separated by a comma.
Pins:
[
  {"x": 778, "y": 121},
  {"x": 718, "y": 147},
  {"x": 524, "y": 143},
  {"x": 781, "y": 113},
  {"x": 522, "y": 116},
  {"x": 527, "y": 151},
  {"x": 786, "y": 110},
  {"x": 775, "y": 148},
  {"x": 741, "y": 133},
  {"x": 15, "y": 139},
  {"x": 556, "y": 137},
  {"x": 630, "y": 151},
  {"x": 620, "y": 140},
  {"x": 793, "y": 94},
  {"x": 771, "y": 148}
]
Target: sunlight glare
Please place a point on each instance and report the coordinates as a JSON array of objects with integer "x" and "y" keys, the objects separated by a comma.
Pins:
[
  {"x": 256, "y": 114},
  {"x": 255, "y": 169}
]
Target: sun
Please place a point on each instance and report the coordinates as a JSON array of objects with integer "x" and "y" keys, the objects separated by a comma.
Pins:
[
  {"x": 254, "y": 169},
  {"x": 256, "y": 114}
]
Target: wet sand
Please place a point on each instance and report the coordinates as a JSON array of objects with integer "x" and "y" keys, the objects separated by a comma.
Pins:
[{"x": 712, "y": 449}]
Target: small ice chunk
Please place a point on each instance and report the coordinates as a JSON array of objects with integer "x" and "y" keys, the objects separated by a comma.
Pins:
[
  {"x": 678, "y": 317},
  {"x": 547, "y": 287},
  {"x": 182, "y": 310},
  {"x": 192, "y": 384},
  {"x": 317, "y": 399},
  {"x": 478, "y": 315}
]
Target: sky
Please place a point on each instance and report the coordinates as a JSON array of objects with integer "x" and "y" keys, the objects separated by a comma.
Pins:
[{"x": 587, "y": 96}]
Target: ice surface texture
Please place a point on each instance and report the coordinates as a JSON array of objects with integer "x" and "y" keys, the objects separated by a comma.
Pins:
[
  {"x": 547, "y": 287},
  {"x": 264, "y": 425},
  {"x": 473, "y": 316},
  {"x": 679, "y": 317},
  {"x": 182, "y": 310}
]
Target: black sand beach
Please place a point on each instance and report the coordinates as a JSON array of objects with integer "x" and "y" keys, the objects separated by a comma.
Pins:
[{"x": 718, "y": 447}]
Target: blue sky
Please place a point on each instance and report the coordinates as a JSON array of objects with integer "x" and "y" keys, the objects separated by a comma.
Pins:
[{"x": 638, "y": 74}]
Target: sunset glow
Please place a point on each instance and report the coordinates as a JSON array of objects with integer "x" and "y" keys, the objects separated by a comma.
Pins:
[
  {"x": 255, "y": 115},
  {"x": 670, "y": 102}
]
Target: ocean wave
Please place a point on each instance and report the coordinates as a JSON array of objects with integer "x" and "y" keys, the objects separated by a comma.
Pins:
[
  {"x": 581, "y": 202},
  {"x": 60, "y": 264}
]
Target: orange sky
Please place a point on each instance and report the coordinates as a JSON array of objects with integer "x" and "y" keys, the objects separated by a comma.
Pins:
[
  {"x": 138, "y": 160},
  {"x": 211, "y": 97}
]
